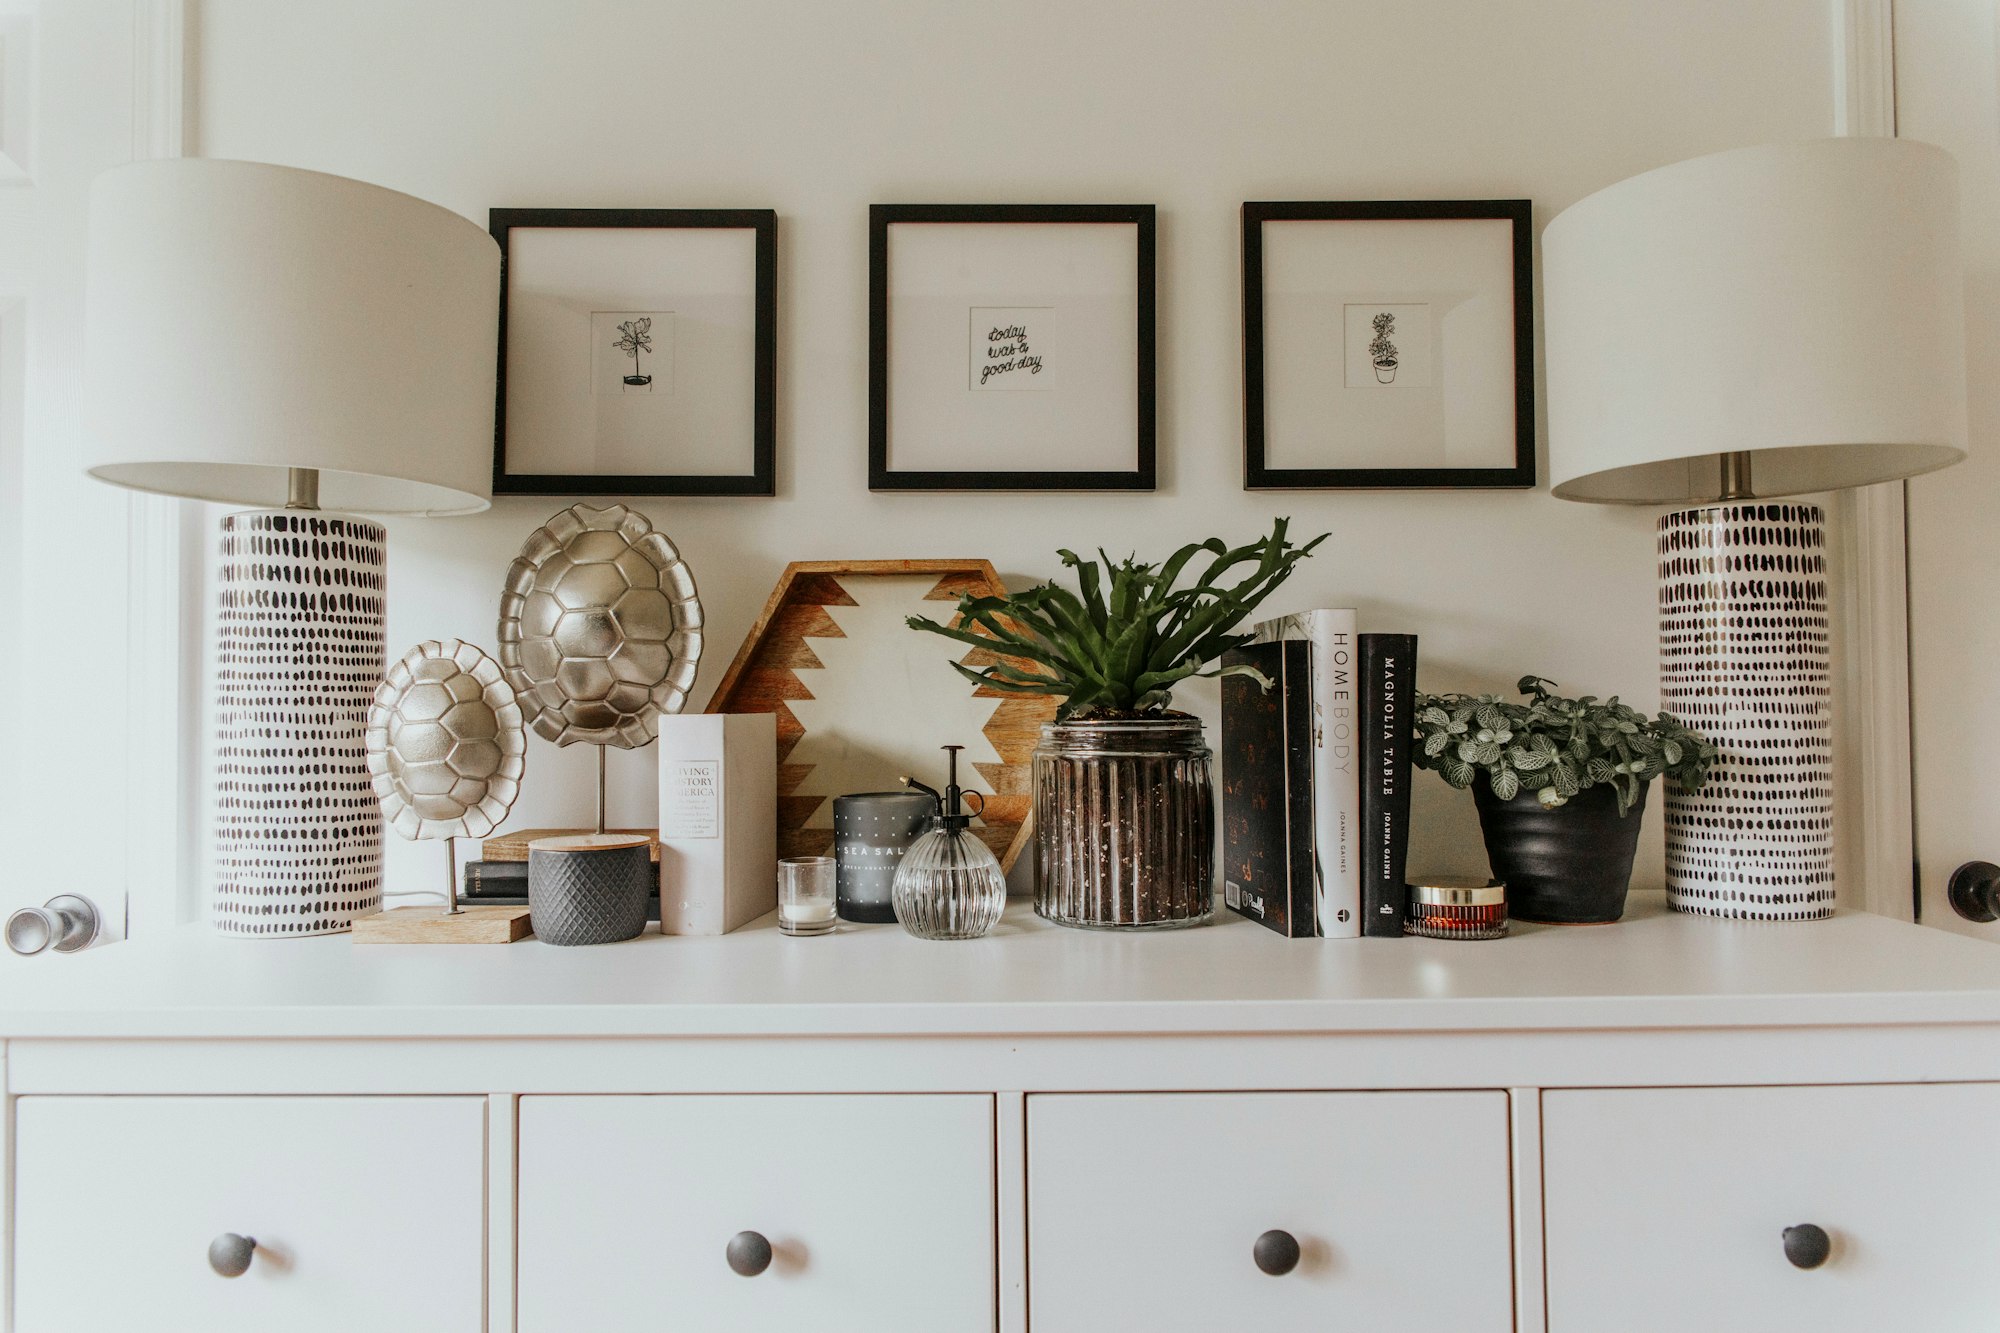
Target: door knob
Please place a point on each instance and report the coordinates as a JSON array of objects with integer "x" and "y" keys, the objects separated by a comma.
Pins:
[
  {"x": 1276, "y": 1252},
  {"x": 749, "y": 1253},
  {"x": 65, "y": 923},
  {"x": 1975, "y": 891},
  {"x": 1807, "y": 1246},
  {"x": 229, "y": 1254}
]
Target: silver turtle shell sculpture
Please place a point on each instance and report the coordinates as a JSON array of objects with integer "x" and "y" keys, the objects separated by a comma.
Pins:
[
  {"x": 600, "y": 628},
  {"x": 445, "y": 744}
]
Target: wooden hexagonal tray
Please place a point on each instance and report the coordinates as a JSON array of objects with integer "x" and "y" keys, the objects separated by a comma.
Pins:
[{"x": 861, "y": 699}]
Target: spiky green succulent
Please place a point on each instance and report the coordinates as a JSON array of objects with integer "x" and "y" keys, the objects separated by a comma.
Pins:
[
  {"x": 1553, "y": 746},
  {"x": 1122, "y": 641}
]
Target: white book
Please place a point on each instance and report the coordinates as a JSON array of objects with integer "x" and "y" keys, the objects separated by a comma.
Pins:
[
  {"x": 1336, "y": 765},
  {"x": 718, "y": 821}
]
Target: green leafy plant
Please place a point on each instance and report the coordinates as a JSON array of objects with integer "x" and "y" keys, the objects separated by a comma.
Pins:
[
  {"x": 1119, "y": 644},
  {"x": 1553, "y": 746}
]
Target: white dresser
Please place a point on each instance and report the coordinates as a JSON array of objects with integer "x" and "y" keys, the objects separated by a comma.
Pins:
[{"x": 1581, "y": 1130}]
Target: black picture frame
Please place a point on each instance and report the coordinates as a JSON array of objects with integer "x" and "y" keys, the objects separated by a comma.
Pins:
[
  {"x": 881, "y": 217},
  {"x": 762, "y": 478},
  {"x": 1257, "y": 475}
]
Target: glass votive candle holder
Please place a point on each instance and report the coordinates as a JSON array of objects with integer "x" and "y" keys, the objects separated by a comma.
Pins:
[
  {"x": 805, "y": 895},
  {"x": 1457, "y": 909}
]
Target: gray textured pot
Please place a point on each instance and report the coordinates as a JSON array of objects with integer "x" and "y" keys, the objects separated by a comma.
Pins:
[
  {"x": 1571, "y": 865},
  {"x": 589, "y": 889}
]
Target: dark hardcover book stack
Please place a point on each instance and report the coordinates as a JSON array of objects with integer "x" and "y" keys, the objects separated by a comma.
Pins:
[
  {"x": 487, "y": 880},
  {"x": 1267, "y": 788},
  {"x": 1388, "y": 668},
  {"x": 505, "y": 884}
]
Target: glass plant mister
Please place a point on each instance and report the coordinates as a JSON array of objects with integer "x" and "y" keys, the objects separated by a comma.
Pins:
[{"x": 949, "y": 885}]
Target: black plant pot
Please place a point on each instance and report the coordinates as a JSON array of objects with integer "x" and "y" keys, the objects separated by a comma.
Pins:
[{"x": 1571, "y": 865}]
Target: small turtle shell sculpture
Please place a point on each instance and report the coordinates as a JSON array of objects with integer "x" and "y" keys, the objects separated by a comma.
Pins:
[
  {"x": 600, "y": 628},
  {"x": 446, "y": 748}
]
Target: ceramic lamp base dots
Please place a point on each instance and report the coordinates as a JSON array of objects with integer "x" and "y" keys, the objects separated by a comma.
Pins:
[
  {"x": 1744, "y": 648},
  {"x": 298, "y": 832}
]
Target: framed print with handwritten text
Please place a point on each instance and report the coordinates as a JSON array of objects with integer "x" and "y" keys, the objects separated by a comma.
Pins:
[
  {"x": 1388, "y": 345},
  {"x": 638, "y": 351},
  {"x": 1010, "y": 347}
]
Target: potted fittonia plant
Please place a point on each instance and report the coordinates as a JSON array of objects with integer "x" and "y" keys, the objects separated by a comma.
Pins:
[
  {"x": 1124, "y": 798},
  {"x": 636, "y": 336},
  {"x": 1561, "y": 789},
  {"x": 1381, "y": 351}
]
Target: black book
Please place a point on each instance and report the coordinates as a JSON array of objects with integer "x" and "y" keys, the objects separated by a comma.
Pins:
[
  {"x": 1267, "y": 794},
  {"x": 485, "y": 880},
  {"x": 1388, "y": 687}
]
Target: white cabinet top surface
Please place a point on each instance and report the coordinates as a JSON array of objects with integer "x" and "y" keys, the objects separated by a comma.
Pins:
[{"x": 1655, "y": 969}]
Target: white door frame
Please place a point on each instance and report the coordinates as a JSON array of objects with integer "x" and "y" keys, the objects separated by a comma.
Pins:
[
  {"x": 166, "y": 601},
  {"x": 1875, "y": 836}
]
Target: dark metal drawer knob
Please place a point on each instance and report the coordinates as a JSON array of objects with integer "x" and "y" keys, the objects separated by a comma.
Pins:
[
  {"x": 1276, "y": 1252},
  {"x": 1807, "y": 1246},
  {"x": 229, "y": 1254},
  {"x": 1975, "y": 891},
  {"x": 749, "y": 1254}
]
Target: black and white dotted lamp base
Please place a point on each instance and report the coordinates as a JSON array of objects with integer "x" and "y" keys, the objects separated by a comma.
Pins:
[
  {"x": 300, "y": 647},
  {"x": 1744, "y": 647}
]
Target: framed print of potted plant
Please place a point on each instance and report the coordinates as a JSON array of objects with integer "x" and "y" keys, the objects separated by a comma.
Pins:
[
  {"x": 1560, "y": 785},
  {"x": 1388, "y": 344},
  {"x": 638, "y": 351},
  {"x": 1010, "y": 347}
]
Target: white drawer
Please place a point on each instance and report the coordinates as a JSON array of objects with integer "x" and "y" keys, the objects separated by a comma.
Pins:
[
  {"x": 368, "y": 1213},
  {"x": 1666, "y": 1208},
  {"x": 1144, "y": 1211},
  {"x": 879, "y": 1211}
]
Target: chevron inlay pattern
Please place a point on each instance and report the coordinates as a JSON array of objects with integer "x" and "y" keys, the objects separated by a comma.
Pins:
[{"x": 860, "y": 699}]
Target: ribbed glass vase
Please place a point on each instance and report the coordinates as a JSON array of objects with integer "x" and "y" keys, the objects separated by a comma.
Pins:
[
  {"x": 1124, "y": 824},
  {"x": 949, "y": 886}
]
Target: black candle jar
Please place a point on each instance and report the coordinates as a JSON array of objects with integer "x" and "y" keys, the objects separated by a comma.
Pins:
[{"x": 871, "y": 831}]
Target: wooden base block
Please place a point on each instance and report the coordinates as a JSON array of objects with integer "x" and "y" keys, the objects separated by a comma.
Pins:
[{"x": 429, "y": 925}]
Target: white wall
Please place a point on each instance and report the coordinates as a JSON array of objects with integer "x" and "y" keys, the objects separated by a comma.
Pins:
[
  {"x": 1947, "y": 93},
  {"x": 818, "y": 110}
]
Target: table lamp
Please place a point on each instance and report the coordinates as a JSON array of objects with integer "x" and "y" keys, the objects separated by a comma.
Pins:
[
  {"x": 318, "y": 348},
  {"x": 1721, "y": 334}
]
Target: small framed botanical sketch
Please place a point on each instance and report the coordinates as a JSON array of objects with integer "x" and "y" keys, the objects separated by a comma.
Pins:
[
  {"x": 638, "y": 351},
  {"x": 1388, "y": 344},
  {"x": 1010, "y": 347}
]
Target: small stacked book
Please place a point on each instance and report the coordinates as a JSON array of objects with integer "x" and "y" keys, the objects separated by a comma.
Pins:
[
  {"x": 1340, "y": 704},
  {"x": 514, "y": 846},
  {"x": 505, "y": 883}
]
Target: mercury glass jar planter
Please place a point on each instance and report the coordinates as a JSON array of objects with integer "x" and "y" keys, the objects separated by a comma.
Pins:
[{"x": 1124, "y": 824}]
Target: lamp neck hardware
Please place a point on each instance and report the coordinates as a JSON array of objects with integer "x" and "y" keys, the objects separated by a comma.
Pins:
[
  {"x": 302, "y": 488},
  {"x": 1736, "y": 477}
]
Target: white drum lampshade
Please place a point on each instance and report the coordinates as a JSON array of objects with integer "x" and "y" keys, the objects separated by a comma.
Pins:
[
  {"x": 1756, "y": 324},
  {"x": 267, "y": 336}
]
